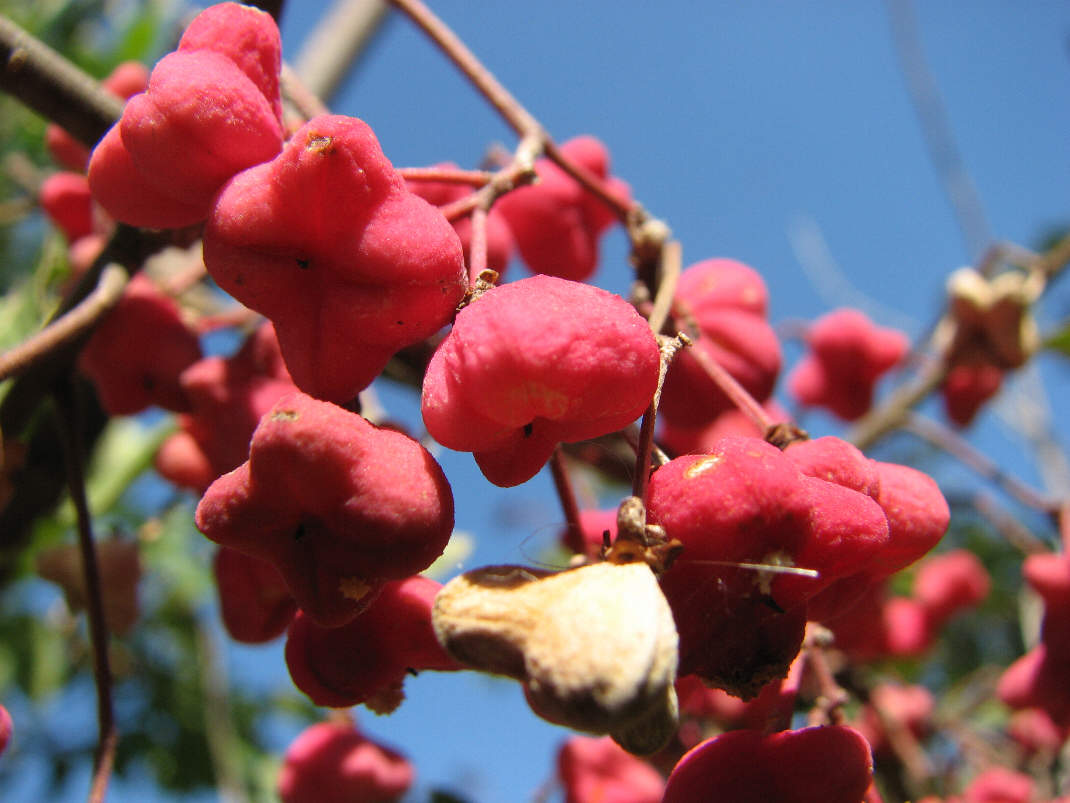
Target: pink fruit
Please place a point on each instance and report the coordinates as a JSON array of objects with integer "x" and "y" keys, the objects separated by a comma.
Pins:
[
  {"x": 727, "y": 301},
  {"x": 967, "y": 387},
  {"x": 66, "y": 199},
  {"x": 212, "y": 109},
  {"x": 227, "y": 399},
  {"x": 367, "y": 660},
  {"x": 327, "y": 242},
  {"x": 600, "y": 770},
  {"x": 6, "y": 728},
  {"x": 125, "y": 80},
  {"x": 556, "y": 223},
  {"x": 337, "y": 505},
  {"x": 536, "y": 362},
  {"x": 814, "y": 765},
  {"x": 999, "y": 785},
  {"x": 499, "y": 238},
  {"x": 948, "y": 583},
  {"x": 848, "y": 354},
  {"x": 332, "y": 762},
  {"x": 138, "y": 351},
  {"x": 253, "y": 600}
]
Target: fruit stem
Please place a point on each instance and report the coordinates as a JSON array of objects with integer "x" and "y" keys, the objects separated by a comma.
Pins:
[{"x": 70, "y": 432}]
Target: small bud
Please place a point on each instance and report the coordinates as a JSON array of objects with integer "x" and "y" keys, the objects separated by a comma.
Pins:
[{"x": 595, "y": 647}]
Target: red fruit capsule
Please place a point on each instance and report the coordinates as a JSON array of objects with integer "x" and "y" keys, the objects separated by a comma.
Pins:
[
  {"x": 253, "y": 600},
  {"x": 599, "y": 769},
  {"x": 555, "y": 222},
  {"x": 536, "y": 362},
  {"x": 332, "y": 762},
  {"x": 848, "y": 354},
  {"x": 337, "y": 505},
  {"x": 814, "y": 765},
  {"x": 367, "y": 660},
  {"x": 138, "y": 351},
  {"x": 212, "y": 109},
  {"x": 327, "y": 242}
]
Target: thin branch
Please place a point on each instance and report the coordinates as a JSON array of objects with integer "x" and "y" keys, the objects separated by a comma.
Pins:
[
  {"x": 667, "y": 349},
  {"x": 521, "y": 121},
  {"x": 936, "y": 129},
  {"x": 304, "y": 100},
  {"x": 70, "y": 431},
  {"x": 879, "y": 421},
  {"x": 336, "y": 43},
  {"x": 1012, "y": 530},
  {"x": 68, "y": 327},
  {"x": 54, "y": 87},
  {"x": 559, "y": 472},
  {"x": 736, "y": 393},
  {"x": 447, "y": 175},
  {"x": 962, "y": 450}
]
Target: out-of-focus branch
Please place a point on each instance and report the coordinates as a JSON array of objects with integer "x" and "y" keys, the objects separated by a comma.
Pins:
[
  {"x": 70, "y": 430},
  {"x": 54, "y": 87},
  {"x": 936, "y": 129},
  {"x": 67, "y": 327},
  {"x": 334, "y": 45}
]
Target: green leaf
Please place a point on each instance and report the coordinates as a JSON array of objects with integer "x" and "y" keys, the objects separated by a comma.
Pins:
[{"x": 1060, "y": 341}]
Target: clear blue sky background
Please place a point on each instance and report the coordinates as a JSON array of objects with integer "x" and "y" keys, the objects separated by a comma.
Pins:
[{"x": 737, "y": 123}]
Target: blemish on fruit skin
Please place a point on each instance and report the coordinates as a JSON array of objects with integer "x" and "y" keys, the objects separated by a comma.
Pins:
[
  {"x": 353, "y": 588},
  {"x": 285, "y": 415},
  {"x": 702, "y": 465},
  {"x": 319, "y": 144},
  {"x": 304, "y": 264}
]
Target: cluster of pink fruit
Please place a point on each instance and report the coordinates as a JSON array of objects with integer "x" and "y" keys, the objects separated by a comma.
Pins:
[{"x": 324, "y": 521}]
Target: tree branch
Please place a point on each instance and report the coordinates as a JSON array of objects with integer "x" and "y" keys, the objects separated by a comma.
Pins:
[{"x": 54, "y": 87}]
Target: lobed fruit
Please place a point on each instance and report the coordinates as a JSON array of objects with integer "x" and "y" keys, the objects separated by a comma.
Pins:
[
  {"x": 327, "y": 242},
  {"x": 848, "y": 354},
  {"x": 337, "y": 505},
  {"x": 368, "y": 659},
  {"x": 536, "y": 362},
  {"x": 555, "y": 222},
  {"x": 138, "y": 351},
  {"x": 212, "y": 108},
  {"x": 332, "y": 762}
]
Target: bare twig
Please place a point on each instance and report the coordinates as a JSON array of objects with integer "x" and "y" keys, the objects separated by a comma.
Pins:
[
  {"x": 339, "y": 38},
  {"x": 559, "y": 472},
  {"x": 69, "y": 327},
  {"x": 962, "y": 450},
  {"x": 932, "y": 115},
  {"x": 54, "y": 87},
  {"x": 71, "y": 437}
]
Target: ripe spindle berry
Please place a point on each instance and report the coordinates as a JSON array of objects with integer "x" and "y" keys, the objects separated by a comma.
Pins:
[
  {"x": 556, "y": 223},
  {"x": 815, "y": 765},
  {"x": 328, "y": 243},
  {"x": 598, "y": 769},
  {"x": 332, "y": 762},
  {"x": 848, "y": 354},
  {"x": 254, "y": 602},
  {"x": 337, "y": 505},
  {"x": 212, "y": 109},
  {"x": 138, "y": 351},
  {"x": 227, "y": 399},
  {"x": 367, "y": 660},
  {"x": 499, "y": 239},
  {"x": 726, "y": 300},
  {"x": 535, "y": 362}
]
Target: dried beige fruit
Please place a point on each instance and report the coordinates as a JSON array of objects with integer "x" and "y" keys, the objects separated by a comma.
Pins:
[{"x": 595, "y": 646}]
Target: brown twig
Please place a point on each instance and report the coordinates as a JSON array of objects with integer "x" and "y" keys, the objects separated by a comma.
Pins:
[
  {"x": 936, "y": 129},
  {"x": 667, "y": 348},
  {"x": 567, "y": 497},
  {"x": 523, "y": 123},
  {"x": 68, "y": 327},
  {"x": 336, "y": 43},
  {"x": 881, "y": 420},
  {"x": 71, "y": 436},
  {"x": 447, "y": 175},
  {"x": 304, "y": 100},
  {"x": 733, "y": 390},
  {"x": 54, "y": 87},
  {"x": 962, "y": 450},
  {"x": 828, "y": 709}
]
